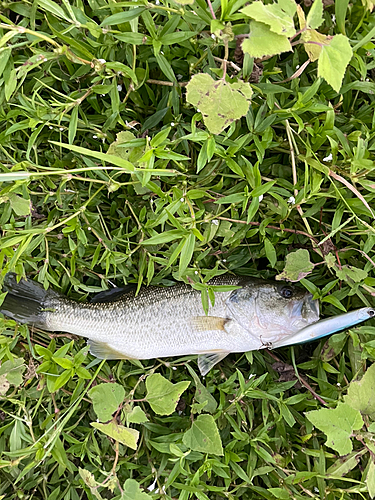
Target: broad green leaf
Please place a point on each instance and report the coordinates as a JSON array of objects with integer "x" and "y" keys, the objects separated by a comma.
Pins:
[
  {"x": 204, "y": 436},
  {"x": 126, "y": 165},
  {"x": 21, "y": 206},
  {"x": 123, "y": 148},
  {"x": 297, "y": 266},
  {"x": 350, "y": 273},
  {"x": 333, "y": 60},
  {"x": 13, "y": 370},
  {"x": 135, "y": 415},
  {"x": 219, "y": 102},
  {"x": 333, "y": 346},
  {"x": 361, "y": 394},
  {"x": 106, "y": 399},
  {"x": 263, "y": 42},
  {"x": 345, "y": 464},
  {"x": 370, "y": 480},
  {"x": 315, "y": 16},
  {"x": 132, "y": 491},
  {"x": 4, "y": 384},
  {"x": 162, "y": 395},
  {"x": 338, "y": 424},
  {"x": 313, "y": 43},
  {"x": 186, "y": 253},
  {"x": 202, "y": 395},
  {"x": 279, "y": 21},
  {"x": 122, "y": 17},
  {"x": 270, "y": 252},
  {"x": 124, "y": 435}
]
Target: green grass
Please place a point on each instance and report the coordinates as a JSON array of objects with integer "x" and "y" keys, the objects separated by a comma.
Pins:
[{"x": 108, "y": 174}]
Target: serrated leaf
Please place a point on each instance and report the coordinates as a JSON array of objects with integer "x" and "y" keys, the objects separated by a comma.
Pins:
[
  {"x": 219, "y": 102},
  {"x": 361, "y": 395},
  {"x": 263, "y": 42},
  {"x": 204, "y": 436},
  {"x": 106, "y": 399},
  {"x": 352, "y": 273},
  {"x": 333, "y": 60},
  {"x": 338, "y": 424},
  {"x": 297, "y": 266},
  {"x": 279, "y": 21},
  {"x": 125, "y": 435},
  {"x": 162, "y": 395},
  {"x": 315, "y": 16},
  {"x": 132, "y": 491}
]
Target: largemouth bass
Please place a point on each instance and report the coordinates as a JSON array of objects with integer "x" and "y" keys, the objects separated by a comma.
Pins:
[{"x": 169, "y": 321}]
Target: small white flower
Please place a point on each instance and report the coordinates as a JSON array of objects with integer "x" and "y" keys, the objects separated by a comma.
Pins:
[
  {"x": 291, "y": 200},
  {"x": 367, "y": 79},
  {"x": 50, "y": 127},
  {"x": 45, "y": 59},
  {"x": 316, "y": 489},
  {"x": 161, "y": 52},
  {"x": 198, "y": 110},
  {"x": 260, "y": 198},
  {"x": 89, "y": 228},
  {"x": 172, "y": 124},
  {"x": 152, "y": 486},
  {"x": 182, "y": 200},
  {"x": 328, "y": 158},
  {"x": 94, "y": 136},
  {"x": 297, "y": 67},
  {"x": 174, "y": 367},
  {"x": 157, "y": 2},
  {"x": 102, "y": 95},
  {"x": 103, "y": 61},
  {"x": 61, "y": 129},
  {"x": 224, "y": 260},
  {"x": 215, "y": 222},
  {"x": 119, "y": 88},
  {"x": 333, "y": 18},
  {"x": 213, "y": 36},
  {"x": 195, "y": 272},
  {"x": 338, "y": 384}
]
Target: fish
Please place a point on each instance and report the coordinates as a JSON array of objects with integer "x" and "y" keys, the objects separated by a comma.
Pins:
[{"x": 170, "y": 321}]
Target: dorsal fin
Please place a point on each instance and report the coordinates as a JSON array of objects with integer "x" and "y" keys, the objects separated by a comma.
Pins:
[{"x": 113, "y": 294}]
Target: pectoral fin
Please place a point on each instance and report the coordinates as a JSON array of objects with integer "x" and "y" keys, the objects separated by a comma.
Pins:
[
  {"x": 208, "y": 360},
  {"x": 205, "y": 323},
  {"x": 103, "y": 350}
]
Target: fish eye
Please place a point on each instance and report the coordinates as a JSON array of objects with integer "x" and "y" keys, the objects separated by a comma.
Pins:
[{"x": 286, "y": 292}]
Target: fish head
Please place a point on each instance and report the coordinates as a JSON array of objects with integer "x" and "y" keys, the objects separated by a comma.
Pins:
[{"x": 272, "y": 310}]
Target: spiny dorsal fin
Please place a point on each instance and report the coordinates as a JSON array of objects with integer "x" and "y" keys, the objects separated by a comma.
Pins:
[
  {"x": 112, "y": 294},
  {"x": 102, "y": 350},
  {"x": 205, "y": 323},
  {"x": 208, "y": 360}
]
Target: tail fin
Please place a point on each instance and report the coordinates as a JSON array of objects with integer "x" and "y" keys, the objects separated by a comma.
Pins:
[{"x": 25, "y": 300}]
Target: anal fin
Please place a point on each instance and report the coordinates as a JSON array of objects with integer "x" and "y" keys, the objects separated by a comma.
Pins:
[
  {"x": 102, "y": 350},
  {"x": 208, "y": 360}
]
